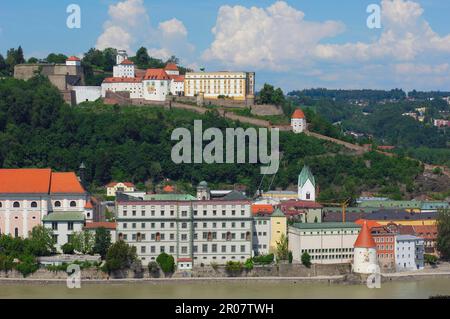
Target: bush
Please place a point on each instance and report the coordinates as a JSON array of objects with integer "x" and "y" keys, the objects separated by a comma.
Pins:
[
  {"x": 306, "y": 259},
  {"x": 430, "y": 259},
  {"x": 234, "y": 266},
  {"x": 248, "y": 265},
  {"x": 264, "y": 259},
  {"x": 166, "y": 262},
  {"x": 27, "y": 265},
  {"x": 68, "y": 248},
  {"x": 120, "y": 256},
  {"x": 153, "y": 269},
  {"x": 6, "y": 263},
  {"x": 56, "y": 268}
]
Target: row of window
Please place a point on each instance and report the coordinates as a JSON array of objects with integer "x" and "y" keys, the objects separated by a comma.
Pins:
[
  {"x": 184, "y": 237},
  {"x": 35, "y": 204},
  {"x": 320, "y": 257},
  {"x": 55, "y": 225},
  {"x": 332, "y": 232},
  {"x": 327, "y": 250},
  {"x": 382, "y": 239},
  {"x": 172, "y": 225}
]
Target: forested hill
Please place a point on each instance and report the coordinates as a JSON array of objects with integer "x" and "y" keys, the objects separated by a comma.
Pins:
[{"x": 133, "y": 143}]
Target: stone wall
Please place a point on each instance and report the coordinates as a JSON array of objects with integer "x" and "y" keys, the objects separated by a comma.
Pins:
[{"x": 266, "y": 110}]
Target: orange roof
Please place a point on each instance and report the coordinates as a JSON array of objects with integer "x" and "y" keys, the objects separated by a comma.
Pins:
[
  {"x": 42, "y": 181},
  {"x": 88, "y": 205},
  {"x": 177, "y": 78},
  {"x": 171, "y": 67},
  {"x": 26, "y": 180},
  {"x": 262, "y": 208},
  {"x": 365, "y": 239},
  {"x": 73, "y": 58},
  {"x": 168, "y": 189},
  {"x": 127, "y": 184},
  {"x": 127, "y": 62},
  {"x": 156, "y": 74},
  {"x": 95, "y": 225},
  {"x": 370, "y": 223},
  {"x": 298, "y": 114},
  {"x": 66, "y": 183},
  {"x": 122, "y": 80}
]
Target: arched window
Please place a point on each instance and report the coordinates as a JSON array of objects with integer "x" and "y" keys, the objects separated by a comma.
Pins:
[
  {"x": 33, "y": 204},
  {"x": 73, "y": 204},
  {"x": 120, "y": 236},
  {"x": 16, "y": 232},
  {"x": 16, "y": 205},
  {"x": 308, "y": 195},
  {"x": 158, "y": 237},
  {"x": 57, "y": 203}
]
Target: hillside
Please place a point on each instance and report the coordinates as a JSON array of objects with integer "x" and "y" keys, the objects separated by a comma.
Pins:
[{"x": 128, "y": 143}]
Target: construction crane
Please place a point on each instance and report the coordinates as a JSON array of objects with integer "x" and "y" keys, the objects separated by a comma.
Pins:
[{"x": 344, "y": 206}]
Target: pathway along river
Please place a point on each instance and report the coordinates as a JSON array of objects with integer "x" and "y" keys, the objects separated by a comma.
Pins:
[{"x": 422, "y": 288}]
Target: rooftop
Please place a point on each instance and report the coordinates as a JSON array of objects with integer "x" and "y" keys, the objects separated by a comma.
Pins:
[
  {"x": 64, "y": 216},
  {"x": 306, "y": 175},
  {"x": 96, "y": 225},
  {"x": 156, "y": 74},
  {"x": 325, "y": 225},
  {"x": 169, "y": 197},
  {"x": 298, "y": 114}
]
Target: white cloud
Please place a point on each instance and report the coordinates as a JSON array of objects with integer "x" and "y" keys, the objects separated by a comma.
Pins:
[
  {"x": 275, "y": 37},
  {"x": 129, "y": 28}
]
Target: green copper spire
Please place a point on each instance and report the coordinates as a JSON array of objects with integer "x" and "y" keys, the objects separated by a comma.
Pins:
[{"x": 304, "y": 176}]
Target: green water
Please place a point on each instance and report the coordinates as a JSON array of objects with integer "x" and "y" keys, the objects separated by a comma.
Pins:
[{"x": 228, "y": 290}]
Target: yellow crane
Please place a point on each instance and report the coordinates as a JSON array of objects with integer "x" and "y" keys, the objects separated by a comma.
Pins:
[{"x": 344, "y": 206}]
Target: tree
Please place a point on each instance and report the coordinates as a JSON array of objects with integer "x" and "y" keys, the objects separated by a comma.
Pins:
[
  {"x": 40, "y": 242},
  {"x": 173, "y": 59},
  {"x": 268, "y": 95},
  {"x": 142, "y": 58},
  {"x": 282, "y": 251},
  {"x": 3, "y": 66},
  {"x": 83, "y": 242},
  {"x": 56, "y": 58},
  {"x": 306, "y": 259},
  {"x": 166, "y": 262},
  {"x": 443, "y": 238},
  {"x": 120, "y": 256},
  {"x": 153, "y": 269},
  {"x": 68, "y": 248},
  {"x": 102, "y": 241}
]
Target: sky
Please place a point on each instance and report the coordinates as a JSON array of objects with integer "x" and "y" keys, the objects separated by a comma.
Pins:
[{"x": 292, "y": 44}]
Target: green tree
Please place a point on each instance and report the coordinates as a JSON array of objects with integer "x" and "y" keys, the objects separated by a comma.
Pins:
[
  {"x": 3, "y": 66},
  {"x": 68, "y": 249},
  {"x": 142, "y": 58},
  {"x": 270, "y": 95},
  {"x": 56, "y": 58},
  {"x": 248, "y": 265},
  {"x": 153, "y": 269},
  {"x": 166, "y": 262},
  {"x": 443, "y": 238},
  {"x": 40, "y": 242},
  {"x": 83, "y": 242},
  {"x": 282, "y": 250},
  {"x": 102, "y": 241},
  {"x": 306, "y": 259},
  {"x": 120, "y": 256}
]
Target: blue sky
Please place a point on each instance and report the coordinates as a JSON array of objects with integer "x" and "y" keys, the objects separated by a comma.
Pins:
[{"x": 294, "y": 44}]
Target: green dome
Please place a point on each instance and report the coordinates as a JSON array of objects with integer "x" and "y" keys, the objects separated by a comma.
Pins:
[{"x": 203, "y": 184}]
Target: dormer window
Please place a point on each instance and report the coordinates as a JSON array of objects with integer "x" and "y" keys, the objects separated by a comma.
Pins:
[
  {"x": 73, "y": 204},
  {"x": 16, "y": 205},
  {"x": 57, "y": 203},
  {"x": 33, "y": 204}
]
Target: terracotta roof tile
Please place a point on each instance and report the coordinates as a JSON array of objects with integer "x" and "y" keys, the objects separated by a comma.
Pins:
[
  {"x": 156, "y": 74},
  {"x": 365, "y": 239},
  {"x": 95, "y": 225},
  {"x": 171, "y": 67},
  {"x": 26, "y": 180},
  {"x": 298, "y": 114},
  {"x": 66, "y": 183}
]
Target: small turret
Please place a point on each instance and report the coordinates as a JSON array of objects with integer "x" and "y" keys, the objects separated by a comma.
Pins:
[{"x": 365, "y": 252}]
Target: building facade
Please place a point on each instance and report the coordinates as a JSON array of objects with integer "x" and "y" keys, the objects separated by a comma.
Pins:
[
  {"x": 212, "y": 85},
  {"x": 409, "y": 252},
  {"x": 326, "y": 243},
  {"x": 365, "y": 252},
  {"x": 122, "y": 187},
  {"x": 298, "y": 121}
]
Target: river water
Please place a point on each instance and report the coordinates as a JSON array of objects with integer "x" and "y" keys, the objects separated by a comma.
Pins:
[{"x": 418, "y": 289}]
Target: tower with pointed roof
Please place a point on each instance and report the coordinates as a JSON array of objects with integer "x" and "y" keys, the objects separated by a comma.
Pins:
[
  {"x": 298, "y": 121},
  {"x": 306, "y": 185},
  {"x": 365, "y": 252},
  {"x": 203, "y": 192}
]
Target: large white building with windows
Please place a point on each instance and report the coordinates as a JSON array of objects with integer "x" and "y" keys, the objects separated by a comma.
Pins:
[
  {"x": 32, "y": 197},
  {"x": 194, "y": 231}
]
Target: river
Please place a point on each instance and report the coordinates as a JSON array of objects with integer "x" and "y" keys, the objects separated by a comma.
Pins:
[{"x": 418, "y": 289}]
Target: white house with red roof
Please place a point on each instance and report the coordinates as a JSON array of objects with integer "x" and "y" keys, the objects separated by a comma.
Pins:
[
  {"x": 124, "y": 70},
  {"x": 122, "y": 187},
  {"x": 74, "y": 61},
  {"x": 31, "y": 197},
  {"x": 156, "y": 85},
  {"x": 298, "y": 121}
]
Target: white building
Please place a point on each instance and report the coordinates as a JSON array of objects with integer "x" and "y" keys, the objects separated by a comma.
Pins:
[
  {"x": 87, "y": 93},
  {"x": 63, "y": 226},
  {"x": 124, "y": 70},
  {"x": 326, "y": 243},
  {"x": 365, "y": 253},
  {"x": 234, "y": 85},
  {"x": 409, "y": 251},
  {"x": 131, "y": 85},
  {"x": 122, "y": 187},
  {"x": 121, "y": 56},
  {"x": 261, "y": 234},
  {"x": 30, "y": 197},
  {"x": 73, "y": 61},
  {"x": 306, "y": 185},
  {"x": 298, "y": 121},
  {"x": 194, "y": 231},
  {"x": 156, "y": 85}
]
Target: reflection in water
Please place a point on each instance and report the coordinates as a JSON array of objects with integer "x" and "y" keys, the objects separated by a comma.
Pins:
[{"x": 227, "y": 290}]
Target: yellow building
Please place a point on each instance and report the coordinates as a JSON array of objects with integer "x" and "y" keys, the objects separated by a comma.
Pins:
[
  {"x": 234, "y": 85},
  {"x": 278, "y": 226},
  {"x": 122, "y": 187}
]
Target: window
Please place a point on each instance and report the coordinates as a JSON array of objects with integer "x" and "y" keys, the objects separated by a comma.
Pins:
[
  {"x": 16, "y": 205},
  {"x": 16, "y": 232},
  {"x": 70, "y": 225},
  {"x": 308, "y": 195},
  {"x": 57, "y": 203},
  {"x": 33, "y": 204},
  {"x": 54, "y": 225},
  {"x": 73, "y": 204}
]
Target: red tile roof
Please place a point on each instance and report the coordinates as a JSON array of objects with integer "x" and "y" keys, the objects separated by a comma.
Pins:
[
  {"x": 66, "y": 183},
  {"x": 181, "y": 260},
  {"x": 88, "y": 205},
  {"x": 122, "y": 80},
  {"x": 73, "y": 58},
  {"x": 168, "y": 189},
  {"x": 127, "y": 184},
  {"x": 370, "y": 223},
  {"x": 96, "y": 225},
  {"x": 262, "y": 208},
  {"x": 156, "y": 74},
  {"x": 127, "y": 62},
  {"x": 298, "y": 114},
  {"x": 177, "y": 78},
  {"x": 365, "y": 239},
  {"x": 27, "y": 180},
  {"x": 42, "y": 181},
  {"x": 171, "y": 67}
]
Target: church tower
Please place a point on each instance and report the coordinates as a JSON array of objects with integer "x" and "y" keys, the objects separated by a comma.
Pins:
[
  {"x": 203, "y": 192},
  {"x": 365, "y": 253},
  {"x": 306, "y": 185}
]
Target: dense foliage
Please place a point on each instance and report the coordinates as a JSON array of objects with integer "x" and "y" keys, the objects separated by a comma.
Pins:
[
  {"x": 443, "y": 239},
  {"x": 102, "y": 241},
  {"x": 264, "y": 259},
  {"x": 120, "y": 256},
  {"x": 123, "y": 143},
  {"x": 306, "y": 259},
  {"x": 166, "y": 262},
  {"x": 370, "y": 95}
]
